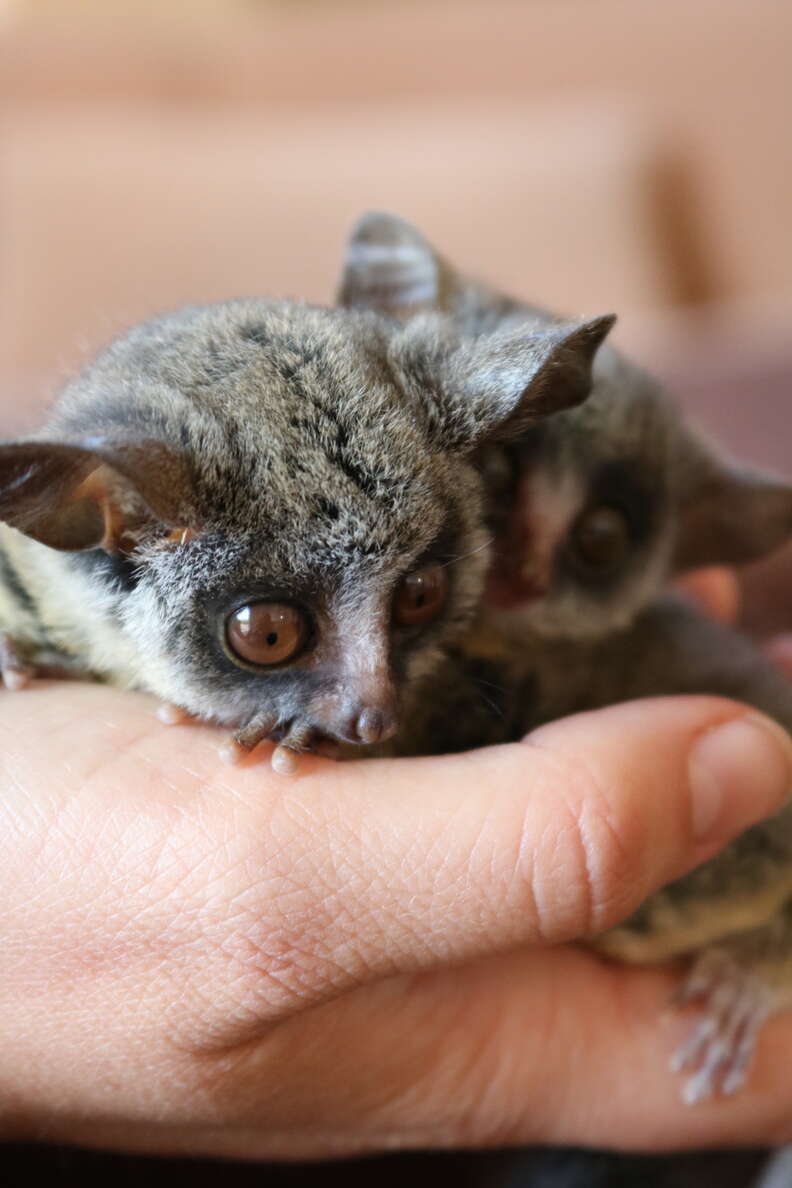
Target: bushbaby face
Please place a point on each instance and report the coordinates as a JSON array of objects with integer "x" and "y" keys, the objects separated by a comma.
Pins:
[
  {"x": 586, "y": 513},
  {"x": 594, "y": 509},
  {"x": 268, "y": 513}
]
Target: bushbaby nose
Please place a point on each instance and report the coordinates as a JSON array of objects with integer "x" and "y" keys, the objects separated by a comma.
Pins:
[{"x": 374, "y": 724}]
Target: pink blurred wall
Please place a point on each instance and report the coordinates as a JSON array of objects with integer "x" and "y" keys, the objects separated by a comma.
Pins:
[{"x": 592, "y": 154}]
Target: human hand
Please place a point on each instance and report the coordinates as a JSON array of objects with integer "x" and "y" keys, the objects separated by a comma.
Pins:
[{"x": 367, "y": 956}]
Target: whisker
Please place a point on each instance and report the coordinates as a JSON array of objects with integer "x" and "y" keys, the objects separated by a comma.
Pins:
[
  {"x": 490, "y": 685},
  {"x": 472, "y": 553},
  {"x": 491, "y": 704}
]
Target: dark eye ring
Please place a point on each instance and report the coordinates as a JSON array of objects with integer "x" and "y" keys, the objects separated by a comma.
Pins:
[
  {"x": 420, "y": 596},
  {"x": 601, "y": 537},
  {"x": 265, "y": 634}
]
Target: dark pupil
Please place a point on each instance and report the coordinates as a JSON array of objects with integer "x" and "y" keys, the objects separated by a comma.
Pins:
[
  {"x": 420, "y": 596},
  {"x": 602, "y": 536},
  {"x": 266, "y": 632}
]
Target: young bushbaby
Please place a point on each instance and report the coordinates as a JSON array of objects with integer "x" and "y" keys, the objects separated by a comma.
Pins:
[
  {"x": 593, "y": 510},
  {"x": 267, "y": 513}
]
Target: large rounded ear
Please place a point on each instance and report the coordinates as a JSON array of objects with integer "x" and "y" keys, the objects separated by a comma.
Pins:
[
  {"x": 93, "y": 493},
  {"x": 727, "y": 514},
  {"x": 389, "y": 267},
  {"x": 494, "y": 387}
]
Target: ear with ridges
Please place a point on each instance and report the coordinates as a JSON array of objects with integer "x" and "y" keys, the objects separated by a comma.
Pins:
[
  {"x": 389, "y": 267},
  {"x": 728, "y": 514},
  {"x": 92, "y": 493},
  {"x": 562, "y": 359},
  {"x": 495, "y": 387}
]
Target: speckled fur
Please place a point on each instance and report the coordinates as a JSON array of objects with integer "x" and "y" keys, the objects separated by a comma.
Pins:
[
  {"x": 699, "y": 507},
  {"x": 316, "y": 454}
]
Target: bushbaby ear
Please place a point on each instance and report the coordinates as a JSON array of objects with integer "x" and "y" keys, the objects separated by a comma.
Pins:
[
  {"x": 389, "y": 267},
  {"x": 729, "y": 514},
  {"x": 93, "y": 493},
  {"x": 495, "y": 387},
  {"x": 523, "y": 378}
]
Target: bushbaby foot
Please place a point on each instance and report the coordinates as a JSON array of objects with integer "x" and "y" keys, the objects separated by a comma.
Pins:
[
  {"x": 284, "y": 760},
  {"x": 735, "y": 1002},
  {"x": 299, "y": 740},
  {"x": 247, "y": 738},
  {"x": 173, "y": 715},
  {"x": 292, "y": 740},
  {"x": 16, "y": 672}
]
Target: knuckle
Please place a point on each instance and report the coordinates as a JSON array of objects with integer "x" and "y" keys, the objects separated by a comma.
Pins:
[{"x": 585, "y": 861}]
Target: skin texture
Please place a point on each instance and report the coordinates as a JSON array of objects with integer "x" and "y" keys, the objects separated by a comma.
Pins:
[{"x": 365, "y": 957}]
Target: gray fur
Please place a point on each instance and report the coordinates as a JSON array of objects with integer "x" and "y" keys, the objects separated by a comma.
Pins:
[
  {"x": 700, "y": 508},
  {"x": 313, "y": 455}
]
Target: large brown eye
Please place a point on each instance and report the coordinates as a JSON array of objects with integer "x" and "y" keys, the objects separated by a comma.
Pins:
[
  {"x": 266, "y": 633},
  {"x": 420, "y": 596},
  {"x": 601, "y": 537}
]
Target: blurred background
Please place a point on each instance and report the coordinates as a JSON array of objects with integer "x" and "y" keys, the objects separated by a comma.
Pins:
[{"x": 593, "y": 155}]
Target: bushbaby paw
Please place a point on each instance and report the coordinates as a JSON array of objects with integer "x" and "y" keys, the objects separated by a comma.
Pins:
[{"x": 734, "y": 1002}]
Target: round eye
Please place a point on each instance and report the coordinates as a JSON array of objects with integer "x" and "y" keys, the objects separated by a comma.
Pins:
[
  {"x": 601, "y": 537},
  {"x": 266, "y": 633},
  {"x": 420, "y": 596}
]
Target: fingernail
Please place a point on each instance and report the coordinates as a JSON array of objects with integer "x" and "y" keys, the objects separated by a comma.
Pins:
[{"x": 740, "y": 772}]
